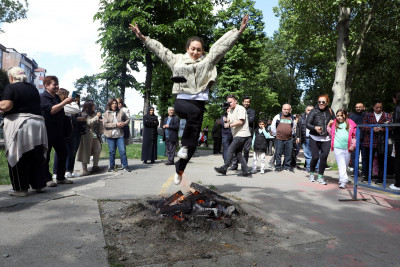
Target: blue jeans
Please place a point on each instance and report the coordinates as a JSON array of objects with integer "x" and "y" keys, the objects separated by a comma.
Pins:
[
  {"x": 307, "y": 155},
  {"x": 283, "y": 147},
  {"x": 226, "y": 141},
  {"x": 113, "y": 143}
]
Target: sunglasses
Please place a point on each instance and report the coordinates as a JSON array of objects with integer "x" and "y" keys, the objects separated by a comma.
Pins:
[{"x": 321, "y": 102}]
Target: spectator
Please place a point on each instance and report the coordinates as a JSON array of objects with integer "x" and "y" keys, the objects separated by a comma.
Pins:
[
  {"x": 114, "y": 121},
  {"x": 283, "y": 129},
  {"x": 317, "y": 122},
  {"x": 72, "y": 141},
  {"x": 375, "y": 117},
  {"x": 25, "y": 134},
  {"x": 149, "y": 144},
  {"x": 343, "y": 135},
  {"x": 171, "y": 128},
  {"x": 259, "y": 144},
  {"x": 303, "y": 138},
  {"x": 202, "y": 139},
  {"x": 270, "y": 140},
  {"x": 193, "y": 74},
  {"x": 90, "y": 144},
  {"x": 53, "y": 112},
  {"x": 127, "y": 132},
  {"x": 358, "y": 118},
  {"x": 396, "y": 139},
  {"x": 205, "y": 132},
  {"x": 251, "y": 115},
  {"x": 237, "y": 121},
  {"x": 226, "y": 133},
  {"x": 217, "y": 136}
]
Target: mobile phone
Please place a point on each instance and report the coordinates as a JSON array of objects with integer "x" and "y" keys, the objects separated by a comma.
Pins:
[{"x": 73, "y": 94}]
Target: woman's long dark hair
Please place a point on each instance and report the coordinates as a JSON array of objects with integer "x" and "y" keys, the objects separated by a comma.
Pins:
[
  {"x": 109, "y": 103},
  {"x": 344, "y": 113},
  {"x": 396, "y": 97},
  {"x": 88, "y": 107}
]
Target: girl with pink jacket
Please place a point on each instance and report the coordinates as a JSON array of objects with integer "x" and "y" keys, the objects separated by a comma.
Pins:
[{"x": 342, "y": 131}]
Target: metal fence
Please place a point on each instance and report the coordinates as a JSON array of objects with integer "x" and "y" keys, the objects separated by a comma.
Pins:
[{"x": 357, "y": 151}]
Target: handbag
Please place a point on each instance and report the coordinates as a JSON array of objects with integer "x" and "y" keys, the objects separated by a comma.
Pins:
[{"x": 381, "y": 143}]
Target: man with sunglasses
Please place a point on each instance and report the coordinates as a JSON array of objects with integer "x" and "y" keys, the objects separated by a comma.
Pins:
[{"x": 238, "y": 122}]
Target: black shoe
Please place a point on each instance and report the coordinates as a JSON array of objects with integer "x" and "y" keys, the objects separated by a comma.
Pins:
[
  {"x": 220, "y": 170},
  {"x": 111, "y": 169},
  {"x": 245, "y": 174},
  {"x": 145, "y": 162},
  {"x": 379, "y": 181},
  {"x": 278, "y": 169},
  {"x": 233, "y": 168},
  {"x": 127, "y": 169},
  {"x": 152, "y": 162},
  {"x": 169, "y": 163}
]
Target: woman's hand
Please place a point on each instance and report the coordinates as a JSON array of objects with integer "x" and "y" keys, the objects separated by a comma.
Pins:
[
  {"x": 245, "y": 20},
  {"x": 136, "y": 30},
  {"x": 318, "y": 129},
  {"x": 330, "y": 123}
]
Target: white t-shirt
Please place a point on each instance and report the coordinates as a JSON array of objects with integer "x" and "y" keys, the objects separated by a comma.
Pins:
[{"x": 239, "y": 113}]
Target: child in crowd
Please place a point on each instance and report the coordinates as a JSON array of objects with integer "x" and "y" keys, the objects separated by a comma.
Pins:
[
  {"x": 342, "y": 131},
  {"x": 202, "y": 139},
  {"x": 259, "y": 145}
]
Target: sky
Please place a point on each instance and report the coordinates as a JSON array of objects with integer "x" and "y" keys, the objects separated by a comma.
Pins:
[{"x": 61, "y": 37}]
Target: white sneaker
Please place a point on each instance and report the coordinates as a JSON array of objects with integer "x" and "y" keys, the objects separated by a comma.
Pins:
[
  {"x": 311, "y": 178},
  {"x": 74, "y": 175},
  {"x": 392, "y": 186},
  {"x": 67, "y": 175},
  {"x": 322, "y": 181},
  {"x": 54, "y": 176},
  {"x": 342, "y": 185},
  {"x": 351, "y": 169},
  {"x": 177, "y": 178},
  {"x": 183, "y": 152},
  {"x": 262, "y": 171}
]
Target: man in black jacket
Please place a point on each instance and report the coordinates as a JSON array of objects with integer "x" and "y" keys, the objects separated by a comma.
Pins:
[
  {"x": 358, "y": 118},
  {"x": 251, "y": 115},
  {"x": 171, "y": 128}
]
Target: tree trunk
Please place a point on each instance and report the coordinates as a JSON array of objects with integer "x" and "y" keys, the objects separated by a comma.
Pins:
[
  {"x": 147, "y": 83},
  {"x": 339, "y": 85}
]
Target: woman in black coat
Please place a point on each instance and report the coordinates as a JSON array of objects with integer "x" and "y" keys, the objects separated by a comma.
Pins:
[
  {"x": 320, "y": 142},
  {"x": 149, "y": 143}
]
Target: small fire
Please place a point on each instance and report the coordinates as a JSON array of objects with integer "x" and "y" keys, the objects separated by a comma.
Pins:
[{"x": 179, "y": 217}]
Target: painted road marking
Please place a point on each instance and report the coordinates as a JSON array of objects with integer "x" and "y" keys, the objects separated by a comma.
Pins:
[{"x": 166, "y": 185}]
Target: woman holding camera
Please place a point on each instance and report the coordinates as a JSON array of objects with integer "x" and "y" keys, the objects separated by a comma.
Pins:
[
  {"x": 193, "y": 75},
  {"x": 320, "y": 141}
]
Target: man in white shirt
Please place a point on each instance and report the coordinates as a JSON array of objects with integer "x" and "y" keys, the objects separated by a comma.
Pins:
[{"x": 237, "y": 121}]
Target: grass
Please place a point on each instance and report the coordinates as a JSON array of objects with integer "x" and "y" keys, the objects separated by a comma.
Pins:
[{"x": 133, "y": 151}]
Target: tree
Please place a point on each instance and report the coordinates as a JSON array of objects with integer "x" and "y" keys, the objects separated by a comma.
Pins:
[
  {"x": 170, "y": 22},
  {"x": 242, "y": 71},
  {"x": 3, "y": 81},
  {"x": 95, "y": 89},
  {"x": 12, "y": 10}
]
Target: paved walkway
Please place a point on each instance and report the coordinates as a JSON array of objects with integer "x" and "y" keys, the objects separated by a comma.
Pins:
[{"x": 62, "y": 227}]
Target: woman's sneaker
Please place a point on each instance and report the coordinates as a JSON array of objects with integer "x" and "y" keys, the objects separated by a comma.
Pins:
[
  {"x": 311, "y": 178},
  {"x": 68, "y": 175},
  {"x": 322, "y": 181},
  {"x": 342, "y": 185},
  {"x": 178, "y": 178},
  {"x": 183, "y": 152},
  {"x": 22, "y": 193}
]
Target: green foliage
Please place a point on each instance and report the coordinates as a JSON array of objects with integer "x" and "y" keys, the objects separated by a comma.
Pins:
[
  {"x": 4, "y": 179},
  {"x": 96, "y": 90},
  {"x": 133, "y": 151},
  {"x": 12, "y": 10}
]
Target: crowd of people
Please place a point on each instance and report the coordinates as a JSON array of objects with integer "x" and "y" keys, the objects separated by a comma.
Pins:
[
  {"x": 58, "y": 122},
  {"x": 318, "y": 131},
  {"x": 34, "y": 124}
]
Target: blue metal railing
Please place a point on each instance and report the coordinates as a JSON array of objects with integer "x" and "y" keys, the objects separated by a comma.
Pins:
[{"x": 357, "y": 151}]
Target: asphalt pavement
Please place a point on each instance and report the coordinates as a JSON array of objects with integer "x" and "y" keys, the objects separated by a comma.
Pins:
[{"x": 62, "y": 226}]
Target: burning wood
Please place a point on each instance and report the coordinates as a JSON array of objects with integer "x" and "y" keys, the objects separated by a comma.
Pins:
[{"x": 201, "y": 202}]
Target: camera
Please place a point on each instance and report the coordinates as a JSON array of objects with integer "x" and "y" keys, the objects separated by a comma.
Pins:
[
  {"x": 178, "y": 79},
  {"x": 225, "y": 105}
]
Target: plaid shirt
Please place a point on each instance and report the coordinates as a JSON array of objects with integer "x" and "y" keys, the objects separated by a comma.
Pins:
[{"x": 370, "y": 119}]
